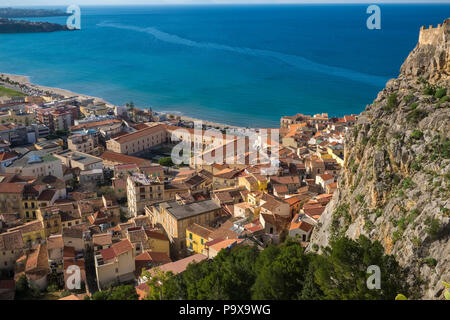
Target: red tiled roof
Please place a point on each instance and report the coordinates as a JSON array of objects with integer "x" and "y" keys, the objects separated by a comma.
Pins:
[
  {"x": 11, "y": 187},
  {"x": 156, "y": 235},
  {"x": 159, "y": 257},
  {"x": 94, "y": 124},
  {"x": 121, "y": 158},
  {"x": 7, "y": 155},
  {"x": 140, "y": 133},
  {"x": 116, "y": 249},
  {"x": 180, "y": 265}
]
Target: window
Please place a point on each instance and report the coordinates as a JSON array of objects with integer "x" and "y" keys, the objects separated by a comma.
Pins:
[
  {"x": 201, "y": 241},
  {"x": 190, "y": 236},
  {"x": 304, "y": 237}
]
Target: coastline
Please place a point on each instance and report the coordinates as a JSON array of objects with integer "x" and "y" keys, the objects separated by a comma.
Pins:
[{"x": 25, "y": 81}]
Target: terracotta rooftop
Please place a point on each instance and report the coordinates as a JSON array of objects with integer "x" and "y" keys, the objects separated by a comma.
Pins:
[
  {"x": 102, "y": 239},
  {"x": 7, "y": 155},
  {"x": 140, "y": 133},
  {"x": 225, "y": 244},
  {"x": 201, "y": 230},
  {"x": 159, "y": 257},
  {"x": 11, "y": 187},
  {"x": 29, "y": 227},
  {"x": 180, "y": 265},
  {"x": 37, "y": 259},
  {"x": 121, "y": 158},
  {"x": 116, "y": 249},
  {"x": 11, "y": 241},
  {"x": 156, "y": 235},
  {"x": 54, "y": 242}
]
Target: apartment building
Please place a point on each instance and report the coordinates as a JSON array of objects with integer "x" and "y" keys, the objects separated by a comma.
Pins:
[
  {"x": 56, "y": 117},
  {"x": 142, "y": 191},
  {"x": 86, "y": 143},
  {"x": 175, "y": 217},
  {"x": 115, "y": 264}
]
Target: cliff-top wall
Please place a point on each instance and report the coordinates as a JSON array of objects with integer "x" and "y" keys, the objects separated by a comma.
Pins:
[{"x": 434, "y": 35}]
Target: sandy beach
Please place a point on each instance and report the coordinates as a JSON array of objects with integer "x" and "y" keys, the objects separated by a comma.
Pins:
[{"x": 24, "y": 81}]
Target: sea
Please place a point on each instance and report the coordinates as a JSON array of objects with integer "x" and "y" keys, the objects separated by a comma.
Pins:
[{"x": 243, "y": 65}]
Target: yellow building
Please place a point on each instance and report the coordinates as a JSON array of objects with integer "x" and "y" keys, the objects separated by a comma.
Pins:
[
  {"x": 175, "y": 217},
  {"x": 158, "y": 242},
  {"x": 51, "y": 221},
  {"x": 336, "y": 151},
  {"x": 94, "y": 110},
  {"x": 196, "y": 237},
  {"x": 32, "y": 232},
  {"x": 253, "y": 182},
  {"x": 35, "y": 197}
]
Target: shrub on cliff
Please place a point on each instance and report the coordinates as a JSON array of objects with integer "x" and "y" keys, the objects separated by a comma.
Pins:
[
  {"x": 391, "y": 102},
  {"x": 440, "y": 93},
  {"x": 416, "y": 115}
]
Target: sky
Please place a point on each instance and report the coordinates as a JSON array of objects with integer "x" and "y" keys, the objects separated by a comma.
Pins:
[{"x": 4, "y": 3}]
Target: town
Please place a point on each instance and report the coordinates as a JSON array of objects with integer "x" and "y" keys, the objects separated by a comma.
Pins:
[{"x": 90, "y": 197}]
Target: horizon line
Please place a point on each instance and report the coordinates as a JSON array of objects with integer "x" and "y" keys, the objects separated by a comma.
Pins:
[
  {"x": 240, "y": 4},
  {"x": 320, "y": 2}
]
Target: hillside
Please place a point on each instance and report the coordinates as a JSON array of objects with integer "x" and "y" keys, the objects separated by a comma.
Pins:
[
  {"x": 22, "y": 26},
  {"x": 395, "y": 184}
]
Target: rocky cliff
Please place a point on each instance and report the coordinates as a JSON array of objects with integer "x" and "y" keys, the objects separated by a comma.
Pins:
[{"x": 395, "y": 183}]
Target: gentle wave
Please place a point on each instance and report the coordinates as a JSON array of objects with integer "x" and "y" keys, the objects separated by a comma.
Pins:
[{"x": 292, "y": 60}]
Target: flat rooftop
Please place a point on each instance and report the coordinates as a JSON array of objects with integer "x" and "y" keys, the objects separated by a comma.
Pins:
[{"x": 183, "y": 211}]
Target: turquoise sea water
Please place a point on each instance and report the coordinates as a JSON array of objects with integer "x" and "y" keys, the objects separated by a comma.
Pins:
[{"x": 242, "y": 65}]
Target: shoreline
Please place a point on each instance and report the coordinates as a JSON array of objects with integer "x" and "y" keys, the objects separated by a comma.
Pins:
[{"x": 23, "y": 80}]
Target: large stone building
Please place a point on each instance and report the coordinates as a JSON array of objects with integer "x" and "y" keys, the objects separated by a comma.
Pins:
[{"x": 138, "y": 141}]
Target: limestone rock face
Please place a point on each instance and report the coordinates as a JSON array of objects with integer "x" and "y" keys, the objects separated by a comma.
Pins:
[
  {"x": 430, "y": 58},
  {"x": 395, "y": 183}
]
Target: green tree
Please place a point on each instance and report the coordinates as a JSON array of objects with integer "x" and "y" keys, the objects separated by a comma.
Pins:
[
  {"x": 100, "y": 295},
  {"x": 108, "y": 191},
  {"x": 22, "y": 288},
  {"x": 124, "y": 292},
  {"x": 341, "y": 271},
  {"x": 164, "y": 286},
  {"x": 166, "y": 162},
  {"x": 282, "y": 274}
]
